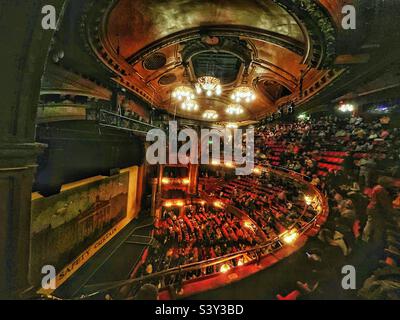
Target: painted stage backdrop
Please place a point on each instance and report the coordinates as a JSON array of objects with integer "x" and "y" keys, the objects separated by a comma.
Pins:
[{"x": 65, "y": 224}]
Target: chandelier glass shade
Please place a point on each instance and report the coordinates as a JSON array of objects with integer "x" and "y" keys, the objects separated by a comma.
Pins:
[
  {"x": 210, "y": 85},
  {"x": 346, "y": 107},
  {"x": 243, "y": 94},
  {"x": 190, "y": 105},
  {"x": 210, "y": 115},
  {"x": 231, "y": 125},
  {"x": 183, "y": 93},
  {"x": 234, "y": 109}
]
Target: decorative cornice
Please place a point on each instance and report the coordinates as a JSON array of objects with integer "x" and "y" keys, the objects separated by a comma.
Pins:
[
  {"x": 94, "y": 25},
  {"x": 234, "y": 46},
  {"x": 14, "y": 156},
  {"x": 57, "y": 80},
  {"x": 318, "y": 52},
  {"x": 320, "y": 27},
  {"x": 220, "y": 31}
]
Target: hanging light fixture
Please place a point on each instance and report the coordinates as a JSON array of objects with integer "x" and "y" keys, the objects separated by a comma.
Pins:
[
  {"x": 231, "y": 125},
  {"x": 210, "y": 85},
  {"x": 234, "y": 109},
  {"x": 183, "y": 93},
  {"x": 243, "y": 94},
  {"x": 210, "y": 115},
  {"x": 346, "y": 107},
  {"x": 190, "y": 105}
]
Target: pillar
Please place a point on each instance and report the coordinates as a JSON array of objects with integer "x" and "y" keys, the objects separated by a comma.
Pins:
[
  {"x": 193, "y": 177},
  {"x": 24, "y": 54},
  {"x": 154, "y": 183}
]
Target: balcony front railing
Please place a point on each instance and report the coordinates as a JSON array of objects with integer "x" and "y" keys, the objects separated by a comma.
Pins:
[{"x": 110, "y": 119}]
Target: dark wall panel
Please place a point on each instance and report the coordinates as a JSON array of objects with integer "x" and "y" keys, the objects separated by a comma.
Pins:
[{"x": 81, "y": 149}]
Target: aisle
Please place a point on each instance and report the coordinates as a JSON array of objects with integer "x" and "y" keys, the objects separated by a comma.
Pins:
[{"x": 115, "y": 261}]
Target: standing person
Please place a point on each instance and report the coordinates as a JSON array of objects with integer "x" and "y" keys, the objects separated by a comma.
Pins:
[
  {"x": 348, "y": 164},
  {"x": 378, "y": 210},
  {"x": 367, "y": 166}
]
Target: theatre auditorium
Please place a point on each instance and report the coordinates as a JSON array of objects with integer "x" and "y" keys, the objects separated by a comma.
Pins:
[{"x": 200, "y": 149}]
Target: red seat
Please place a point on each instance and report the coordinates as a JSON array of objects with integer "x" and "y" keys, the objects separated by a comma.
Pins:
[{"x": 291, "y": 296}]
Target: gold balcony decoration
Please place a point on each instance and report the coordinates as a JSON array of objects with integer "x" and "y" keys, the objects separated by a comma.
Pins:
[
  {"x": 210, "y": 85},
  {"x": 243, "y": 94},
  {"x": 190, "y": 105},
  {"x": 183, "y": 93},
  {"x": 210, "y": 115},
  {"x": 234, "y": 109},
  {"x": 290, "y": 236}
]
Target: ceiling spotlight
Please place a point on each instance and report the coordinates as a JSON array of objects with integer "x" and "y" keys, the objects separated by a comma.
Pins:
[
  {"x": 243, "y": 94},
  {"x": 234, "y": 109},
  {"x": 183, "y": 93},
  {"x": 210, "y": 115},
  {"x": 190, "y": 105}
]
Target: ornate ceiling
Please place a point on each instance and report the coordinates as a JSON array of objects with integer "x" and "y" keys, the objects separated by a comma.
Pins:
[{"x": 280, "y": 48}]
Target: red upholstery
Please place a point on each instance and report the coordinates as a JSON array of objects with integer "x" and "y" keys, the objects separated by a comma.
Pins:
[{"x": 291, "y": 296}]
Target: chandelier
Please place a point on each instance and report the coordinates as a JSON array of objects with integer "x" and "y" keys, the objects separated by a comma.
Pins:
[
  {"x": 245, "y": 94},
  {"x": 234, "y": 109},
  {"x": 231, "y": 125},
  {"x": 190, "y": 105},
  {"x": 346, "y": 107},
  {"x": 210, "y": 115},
  {"x": 210, "y": 85},
  {"x": 183, "y": 93}
]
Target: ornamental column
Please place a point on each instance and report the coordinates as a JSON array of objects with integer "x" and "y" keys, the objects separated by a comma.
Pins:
[{"x": 26, "y": 46}]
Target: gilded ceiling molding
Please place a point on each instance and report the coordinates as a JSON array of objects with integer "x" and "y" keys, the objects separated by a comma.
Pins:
[
  {"x": 329, "y": 78},
  {"x": 231, "y": 45},
  {"x": 318, "y": 51},
  {"x": 220, "y": 31},
  {"x": 94, "y": 33},
  {"x": 318, "y": 24},
  {"x": 320, "y": 27},
  {"x": 280, "y": 73},
  {"x": 260, "y": 80}
]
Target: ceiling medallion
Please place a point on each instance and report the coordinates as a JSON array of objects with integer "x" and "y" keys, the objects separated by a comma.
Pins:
[
  {"x": 210, "y": 40},
  {"x": 190, "y": 105},
  {"x": 210, "y": 115},
  {"x": 183, "y": 93},
  {"x": 243, "y": 94},
  {"x": 210, "y": 85},
  {"x": 234, "y": 109}
]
